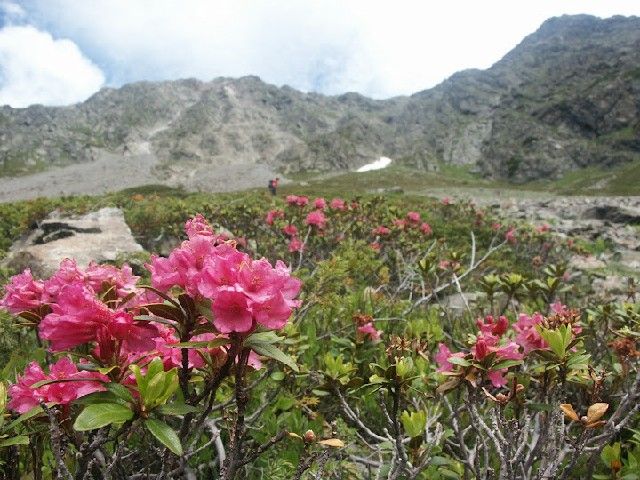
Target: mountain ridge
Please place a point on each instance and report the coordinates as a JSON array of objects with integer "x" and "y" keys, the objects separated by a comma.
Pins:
[{"x": 566, "y": 97}]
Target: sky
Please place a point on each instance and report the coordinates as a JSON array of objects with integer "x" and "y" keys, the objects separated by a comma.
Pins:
[{"x": 59, "y": 52}]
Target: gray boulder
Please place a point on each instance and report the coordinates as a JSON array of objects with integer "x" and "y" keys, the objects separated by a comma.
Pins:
[{"x": 97, "y": 236}]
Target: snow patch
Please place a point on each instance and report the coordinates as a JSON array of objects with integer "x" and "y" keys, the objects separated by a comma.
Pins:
[{"x": 383, "y": 162}]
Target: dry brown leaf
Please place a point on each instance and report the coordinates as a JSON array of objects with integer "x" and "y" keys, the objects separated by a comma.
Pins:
[
  {"x": 332, "y": 442},
  {"x": 596, "y": 411},
  {"x": 569, "y": 412}
]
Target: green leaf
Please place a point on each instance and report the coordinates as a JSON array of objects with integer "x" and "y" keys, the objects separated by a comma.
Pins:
[
  {"x": 458, "y": 361},
  {"x": 100, "y": 415},
  {"x": 176, "y": 409},
  {"x": 19, "y": 440},
  {"x": 262, "y": 337},
  {"x": 164, "y": 434},
  {"x": 271, "y": 351},
  {"x": 506, "y": 364},
  {"x": 99, "y": 397},
  {"x": 120, "y": 391}
]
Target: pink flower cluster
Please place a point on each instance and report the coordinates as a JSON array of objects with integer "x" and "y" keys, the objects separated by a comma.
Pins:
[
  {"x": 368, "y": 330},
  {"x": 490, "y": 339},
  {"x": 98, "y": 306},
  {"x": 23, "y": 293},
  {"x": 297, "y": 200},
  {"x": 76, "y": 384},
  {"x": 316, "y": 219},
  {"x": 243, "y": 292}
]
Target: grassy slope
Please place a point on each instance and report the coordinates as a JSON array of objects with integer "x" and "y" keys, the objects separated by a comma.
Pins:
[{"x": 622, "y": 180}]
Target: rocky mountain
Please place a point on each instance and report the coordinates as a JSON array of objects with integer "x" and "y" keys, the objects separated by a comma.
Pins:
[{"x": 568, "y": 96}]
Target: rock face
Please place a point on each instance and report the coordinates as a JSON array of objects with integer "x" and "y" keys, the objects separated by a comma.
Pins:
[
  {"x": 98, "y": 236},
  {"x": 568, "y": 96}
]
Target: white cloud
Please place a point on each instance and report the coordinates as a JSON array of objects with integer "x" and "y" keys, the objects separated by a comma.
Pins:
[
  {"x": 36, "y": 68},
  {"x": 378, "y": 48}
]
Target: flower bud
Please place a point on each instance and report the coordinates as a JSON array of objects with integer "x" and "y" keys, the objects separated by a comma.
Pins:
[{"x": 309, "y": 436}]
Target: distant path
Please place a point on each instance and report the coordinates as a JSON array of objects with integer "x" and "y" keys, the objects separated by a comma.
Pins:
[
  {"x": 112, "y": 172},
  {"x": 107, "y": 173}
]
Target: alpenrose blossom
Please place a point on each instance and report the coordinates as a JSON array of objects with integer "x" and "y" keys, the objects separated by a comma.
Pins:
[
  {"x": 78, "y": 317},
  {"x": 74, "y": 384},
  {"x": 489, "y": 325},
  {"x": 299, "y": 201},
  {"x": 184, "y": 266},
  {"x": 316, "y": 218},
  {"x": 198, "y": 226},
  {"x": 443, "y": 356},
  {"x": 426, "y": 228},
  {"x": 272, "y": 215},
  {"x": 527, "y": 334},
  {"x": 295, "y": 245},
  {"x": 23, "y": 293},
  {"x": 338, "y": 204},
  {"x": 320, "y": 203},
  {"x": 413, "y": 217},
  {"x": 103, "y": 277},
  {"x": 510, "y": 236},
  {"x": 290, "y": 230},
  {"x": 368, "y": 330}
]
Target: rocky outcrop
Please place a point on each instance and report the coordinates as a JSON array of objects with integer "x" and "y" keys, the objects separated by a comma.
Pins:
[
  {"x": 568, "y": 96},
  {"x": 97, "y": 236}
]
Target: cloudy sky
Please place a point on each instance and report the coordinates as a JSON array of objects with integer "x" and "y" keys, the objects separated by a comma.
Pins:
[{"x": 58, "y": 52}]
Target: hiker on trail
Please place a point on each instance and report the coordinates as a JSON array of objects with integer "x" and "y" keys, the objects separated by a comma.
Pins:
[{"x": 273, "y": 185}]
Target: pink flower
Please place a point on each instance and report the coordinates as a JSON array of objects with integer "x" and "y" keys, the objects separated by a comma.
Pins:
[
  {"x": 559, "y": 308},
  {"x": 489, "y": 325},
  {"x": 443, "y": 356},
  {"x": 316, "y": 218},
  {"x": 495, "y": 226},
  {"x": 67, "y": 274},
  {"x": 446, "y": 201},
  {"x": 375, "y": 246},
  {"x": 102, "y": 277},
  {"x": 290, "y": 230},
  {"x": 480, "y": 350},
  {"x": 320, "y": 203},
  {"x": 338, "y": 204},
  {"x": 510, "y": 236},
  {"x": 184, "y": 266},
  {"x": 221, "y": 270},
  {"x": 23, "y": 293},
  {"x": 78, "y": 318},
  {"x": 24, "y": 397},
  {"x": 527, "y": 335},
  {"x": 543, "y": 228},
  {"x": 75, "y": 318},
  {"x": 272, "y": 215},
  {"x": 497, "y": 377},
  {"x": 510, "y": 351},
  {"x": 413, "y": 217},
  {"x": 198, "y": 226},
  {"x": 426, "y": 228},
  {"x": 368, "y": 330},
  {"x": 231, "y": 312},
  {"x": 381, "y": 230},
  {"x": 296, "y": 200},
  {"x": 296, "y": 245}
]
